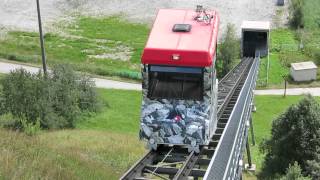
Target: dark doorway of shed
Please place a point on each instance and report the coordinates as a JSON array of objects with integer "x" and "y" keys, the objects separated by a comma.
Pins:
[{"x": 254, "y": 43}]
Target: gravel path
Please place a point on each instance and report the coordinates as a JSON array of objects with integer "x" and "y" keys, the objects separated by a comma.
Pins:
[
  {"x": 21, "y": 14},
  {"x": 6, "y": 67},
  {"x": 291, "y": 91}
]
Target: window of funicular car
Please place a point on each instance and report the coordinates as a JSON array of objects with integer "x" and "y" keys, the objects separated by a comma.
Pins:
[{"x": 175, "y": 83}]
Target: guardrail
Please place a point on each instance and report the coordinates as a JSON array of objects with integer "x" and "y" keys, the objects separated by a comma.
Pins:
[{"x": 225, "y": 163}]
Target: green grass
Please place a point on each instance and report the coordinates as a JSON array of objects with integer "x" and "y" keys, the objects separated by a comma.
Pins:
[
  {"x": 282, "y": 42},
  {"x": 111, "y": 38},
  {"x": 121, "y": 114},
  {"x": 311, "y": 14},
  {"x": 67, "y": 154},
  {"x": 268, "y": 109},
  {"x": 282, "y": 38},
  {"x": 284, "y": 50},
  {"x": 103, "y": 146},
  {"x": 311, "y": 35},
  {"x": 275, "y": 74}
]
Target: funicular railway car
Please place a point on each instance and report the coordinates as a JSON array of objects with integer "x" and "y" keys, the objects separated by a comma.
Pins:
[{"x": 179, "y": 79}]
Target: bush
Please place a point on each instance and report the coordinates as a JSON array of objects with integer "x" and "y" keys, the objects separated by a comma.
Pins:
[
  {"x": 295, "y": 136},
  {"x": 29, "y": 128},
  {"x": 317, "y": 57},
  {"x": 313, "y": 167},
  {"x": 20, "y": 94},
  {"x": 87, "y": 95},
  {"x": 296, "y": 14},
  {"x": 7, "y": 121},
  {"x": 55, "y": 100},
  {"x": 229, "y": 50},
  {"x": 294, "y": 173}
]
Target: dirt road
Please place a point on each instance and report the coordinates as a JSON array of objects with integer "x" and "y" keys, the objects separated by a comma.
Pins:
[{"x": 21, "y": 14}]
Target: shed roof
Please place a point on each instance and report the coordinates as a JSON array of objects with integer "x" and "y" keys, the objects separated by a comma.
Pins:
[
  {"x": 195, "y": 48},
  {"x": 256, "y": 25},
  {"x": 304, "y": 65}
]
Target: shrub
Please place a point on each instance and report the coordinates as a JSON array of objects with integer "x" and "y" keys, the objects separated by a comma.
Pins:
[
  {"x": 88, "y": 100},
  {"x": 317, "y": 57},
  {"x": 64, "y": 93},
  {"x": 313, "y": 167},
  {"x": 55, "y": 101},
  {"x": 7, "y": 121},
  {"x": 29, "y": 128},
  {"x": 295, "y": 136},
  {"x": 294, "y": 173},
  {"x": 296, "y": 14},
  {"x": 229, "y": 50},
  {"x": 20, "y": 94}
]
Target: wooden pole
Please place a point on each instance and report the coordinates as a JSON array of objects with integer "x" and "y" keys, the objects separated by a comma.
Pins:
[
  {"x": 285, "y": 87},
  {"x": 43, "y": 54}
]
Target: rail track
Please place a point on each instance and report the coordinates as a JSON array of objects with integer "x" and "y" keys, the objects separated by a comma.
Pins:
[{"x": 176, "y": 162}]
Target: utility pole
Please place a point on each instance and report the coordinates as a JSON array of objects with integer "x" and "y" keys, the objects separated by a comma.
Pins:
[{"x": 43, "y": 54}]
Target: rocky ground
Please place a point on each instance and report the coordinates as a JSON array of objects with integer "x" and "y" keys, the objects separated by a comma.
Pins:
[{"x": 21, "y": 14}]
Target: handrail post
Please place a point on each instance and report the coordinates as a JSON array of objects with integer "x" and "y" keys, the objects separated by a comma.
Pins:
[
  {"x": 252, "y": 132},
  {"x": 248, "y": 154}
]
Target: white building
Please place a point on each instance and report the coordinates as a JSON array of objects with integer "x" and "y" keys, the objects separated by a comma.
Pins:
[{"x": 304, "y": 71}]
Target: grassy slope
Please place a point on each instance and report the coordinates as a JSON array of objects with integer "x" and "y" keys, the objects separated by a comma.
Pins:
[
  {"x": 311, "y": 14},
  {"x": 283, "y": 52},
  {"x": 69, "y": 154},
  {"x": 311, "y": 35},
  {"x": 284, "y": 48},
  {"x": 81, "y": 41},
  {"x": 121, "y": 114},
  {"x": 103, "y": 147}
]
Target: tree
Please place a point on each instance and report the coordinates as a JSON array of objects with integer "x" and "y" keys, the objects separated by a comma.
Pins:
[
  {"x": 294, "y": 173},
  {"x": 296, "y": 14},
  {"x": 228, "y": 50},
  {"x": 295, "y": 136}
]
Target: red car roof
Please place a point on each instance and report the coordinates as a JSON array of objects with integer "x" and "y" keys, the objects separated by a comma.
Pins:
[{"x": 195, "y": 48}]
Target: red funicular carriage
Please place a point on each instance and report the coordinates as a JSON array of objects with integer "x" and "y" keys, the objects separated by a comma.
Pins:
[{"x": 179, "y": 79}]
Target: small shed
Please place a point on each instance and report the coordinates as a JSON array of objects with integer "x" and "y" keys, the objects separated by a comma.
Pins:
[
  {"x": 255, "y": 38},
  {"x": 304, "y": 71}
]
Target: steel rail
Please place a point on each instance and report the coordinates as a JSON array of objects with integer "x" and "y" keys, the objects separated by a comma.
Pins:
[{"x": 228, "y": 91}]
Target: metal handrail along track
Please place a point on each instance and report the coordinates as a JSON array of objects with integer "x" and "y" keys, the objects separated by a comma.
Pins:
[
  {"x": 175, "y": 162},
  {"x": 225, "y": 164}
]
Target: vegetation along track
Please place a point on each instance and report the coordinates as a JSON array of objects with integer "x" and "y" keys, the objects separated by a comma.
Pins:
[{"x": 176, "y": 162}]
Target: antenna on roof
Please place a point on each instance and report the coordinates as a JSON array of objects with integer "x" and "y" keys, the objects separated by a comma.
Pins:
[{"x": 202, "y": 15}]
